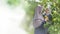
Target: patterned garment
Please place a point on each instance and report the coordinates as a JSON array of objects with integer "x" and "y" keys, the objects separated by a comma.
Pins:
[{"x": 38, "y": 17}]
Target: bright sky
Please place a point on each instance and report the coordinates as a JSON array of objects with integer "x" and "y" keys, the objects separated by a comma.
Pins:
[{"x": 10, "y": 19}]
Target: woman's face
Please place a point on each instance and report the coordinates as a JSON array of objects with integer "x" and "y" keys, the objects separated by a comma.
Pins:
[{"x": 47, "y": 10}]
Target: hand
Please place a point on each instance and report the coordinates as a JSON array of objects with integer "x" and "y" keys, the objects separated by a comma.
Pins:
[{"x": 46, "y": 18}]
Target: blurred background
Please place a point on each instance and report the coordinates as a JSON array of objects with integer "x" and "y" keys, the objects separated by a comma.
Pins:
[{"x": 16, "y": 16}]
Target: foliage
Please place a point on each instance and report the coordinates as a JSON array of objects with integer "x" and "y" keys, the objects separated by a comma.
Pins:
[{"x": 13, "y": 2}]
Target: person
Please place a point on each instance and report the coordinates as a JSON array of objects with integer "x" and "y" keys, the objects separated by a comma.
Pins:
[
  {"x": 47, "y": 15},
  {"x": 39, "y": 21}
]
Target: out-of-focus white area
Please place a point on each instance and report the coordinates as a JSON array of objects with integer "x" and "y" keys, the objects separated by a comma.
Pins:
[
  {"x": 10, "y": 19},
  {"x": 37, "y": 0}
]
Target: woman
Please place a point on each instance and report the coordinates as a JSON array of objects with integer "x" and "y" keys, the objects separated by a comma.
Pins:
[{"x": 38, "y": 21}]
